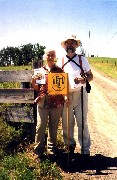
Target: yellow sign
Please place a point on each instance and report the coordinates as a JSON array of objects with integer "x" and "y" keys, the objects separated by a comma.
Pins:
[{"x": 57, "y": 83}]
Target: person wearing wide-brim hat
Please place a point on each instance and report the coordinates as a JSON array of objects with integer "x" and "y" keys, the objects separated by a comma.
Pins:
[
  {"x": 72, "y": 37},
  {"x": 72, "y": 64}
]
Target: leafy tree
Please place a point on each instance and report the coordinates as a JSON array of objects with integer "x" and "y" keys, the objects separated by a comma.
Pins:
[{"x": 22, "y": 55}]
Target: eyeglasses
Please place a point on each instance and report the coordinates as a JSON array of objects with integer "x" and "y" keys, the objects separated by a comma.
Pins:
[
  {"x": 50, "y": 55},
  {"x": 70, "y": 42}
]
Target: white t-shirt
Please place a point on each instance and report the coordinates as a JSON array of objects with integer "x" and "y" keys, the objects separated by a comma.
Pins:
[{"x": 74, "y": 71}]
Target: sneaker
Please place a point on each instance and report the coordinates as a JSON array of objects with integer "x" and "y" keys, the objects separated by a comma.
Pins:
[
  {"x": 51, "y": 150},
  {"x": 39, "y": 152},
  {"x": 85, "y": 152},
  {"x": 71, "y": 149}
]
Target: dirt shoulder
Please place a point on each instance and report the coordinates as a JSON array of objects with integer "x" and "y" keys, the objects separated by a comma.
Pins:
[
  {"x": 102, "y": 118},
  {"x": 103, "y": 111}
]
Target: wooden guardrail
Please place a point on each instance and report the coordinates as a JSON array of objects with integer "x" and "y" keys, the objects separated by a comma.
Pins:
[
  {"x": 22, "y": 95},
  {"x": 19, "y": 102}
]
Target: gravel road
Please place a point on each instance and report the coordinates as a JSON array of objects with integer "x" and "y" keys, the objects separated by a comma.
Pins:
[{"x": 102, "y": 118}]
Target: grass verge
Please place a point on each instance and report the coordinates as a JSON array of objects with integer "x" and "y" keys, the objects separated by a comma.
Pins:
[
  {"x": 19, "y": 162},
  {"x": 108, "y": 66}
]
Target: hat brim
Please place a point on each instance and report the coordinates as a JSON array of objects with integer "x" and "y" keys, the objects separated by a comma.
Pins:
[{"x": 78, "y": 43}]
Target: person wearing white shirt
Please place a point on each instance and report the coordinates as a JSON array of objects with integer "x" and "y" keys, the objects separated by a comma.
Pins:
[{"x": 74, "y": 101}]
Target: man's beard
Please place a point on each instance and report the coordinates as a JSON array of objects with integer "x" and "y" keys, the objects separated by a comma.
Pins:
[{"x": 70, "y": 50}]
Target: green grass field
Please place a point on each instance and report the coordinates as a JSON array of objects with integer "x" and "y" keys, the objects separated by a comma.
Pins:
[
  {"x": 16, "y": 68},
  {"x": 106, "y": 65}
]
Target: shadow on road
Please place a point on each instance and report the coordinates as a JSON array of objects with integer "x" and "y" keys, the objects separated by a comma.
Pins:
[{"x": 79, "y": 163}]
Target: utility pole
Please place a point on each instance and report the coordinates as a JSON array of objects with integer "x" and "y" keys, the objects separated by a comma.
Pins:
[{"x": 89, "y": 44}]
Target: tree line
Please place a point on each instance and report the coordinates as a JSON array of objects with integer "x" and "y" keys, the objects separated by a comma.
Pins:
[{"x": 21, "y": 55}]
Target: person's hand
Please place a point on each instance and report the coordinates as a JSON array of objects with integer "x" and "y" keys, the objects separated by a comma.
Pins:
[
  {"x": 38, "y": 76},
  {"x": 38, "y": 99},
  {"x": 34, "y": 84},
  {"x": 66, "y": 100},
  {"x": 79, "y": 80}
]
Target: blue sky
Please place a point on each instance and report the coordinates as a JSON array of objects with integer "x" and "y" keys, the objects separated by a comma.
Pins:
[{"x": 47, "y": 22}]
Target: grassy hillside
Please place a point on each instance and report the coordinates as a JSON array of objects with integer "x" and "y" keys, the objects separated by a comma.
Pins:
[{"x": 106, "y": 65}]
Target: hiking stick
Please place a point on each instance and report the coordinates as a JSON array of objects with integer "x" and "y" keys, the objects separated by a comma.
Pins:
[
  {"x": 67, "y": 109},
  {"x": 68, "y": 141},
  {"x": 82, "y": 119}
]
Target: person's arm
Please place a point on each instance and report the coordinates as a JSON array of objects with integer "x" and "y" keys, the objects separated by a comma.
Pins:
[
  {"x": 89, "y": 76},
  {"x": 34, "y": 85},
  {"x": 87, "y": 70},
  {"x": 83, "y": 80}
]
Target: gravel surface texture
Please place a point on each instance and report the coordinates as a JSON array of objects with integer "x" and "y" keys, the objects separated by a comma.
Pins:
[{"x": 102, "y": 118}]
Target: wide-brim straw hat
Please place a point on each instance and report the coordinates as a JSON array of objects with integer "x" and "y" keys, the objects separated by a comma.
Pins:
[{"x": 70, "y": 37}]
